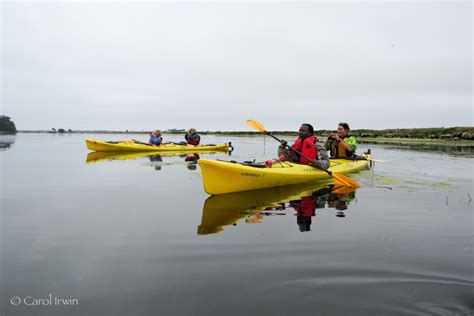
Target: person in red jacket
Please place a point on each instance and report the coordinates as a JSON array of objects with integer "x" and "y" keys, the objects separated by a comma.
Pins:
[{"x": 309, "y": 146}]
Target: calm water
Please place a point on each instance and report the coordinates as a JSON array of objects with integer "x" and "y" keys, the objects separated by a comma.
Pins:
[{"x": 113, "y": 236}]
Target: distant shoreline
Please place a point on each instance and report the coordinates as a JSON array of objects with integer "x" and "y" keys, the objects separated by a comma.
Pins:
[
  {"x": 455, "y": 133},
  {"x": 459, "y": 136},
  {"x": 416, "y": 141}
]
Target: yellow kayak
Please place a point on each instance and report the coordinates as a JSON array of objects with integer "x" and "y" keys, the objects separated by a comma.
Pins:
[
  {"x": 221, "y": 177},
  {"x": 130, "y": 146},
  {"x": 98, "y": 156},
  {"x": 227, "y": 209}
]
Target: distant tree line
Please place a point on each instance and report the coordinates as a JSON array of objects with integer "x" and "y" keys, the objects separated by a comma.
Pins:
[
  {"x": 7, "y": 125},
  {"x": 445, "y": 133},
  {"x": 449, "y": 133},
  {"x": 60, "y": 130}
]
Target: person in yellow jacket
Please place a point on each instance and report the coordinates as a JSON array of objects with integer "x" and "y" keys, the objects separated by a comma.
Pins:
[{"x": 340, "y": 143}]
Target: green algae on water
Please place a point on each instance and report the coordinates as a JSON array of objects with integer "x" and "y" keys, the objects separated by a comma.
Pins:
[
  {"x": 387, "y": 180},
  {"x": 442, "y": 185}
]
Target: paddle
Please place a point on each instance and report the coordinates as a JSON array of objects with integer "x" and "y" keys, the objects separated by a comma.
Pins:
[
  {"x": 141, "y": 143},
  {"x": 164, "y": 143},
  {"x": 340, "y": 178},
  {"x": 361, "y": 158}
]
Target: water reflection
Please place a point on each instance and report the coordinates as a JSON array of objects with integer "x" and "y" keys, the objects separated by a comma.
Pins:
[
  {"x": 6, "y": 141},
  {"x": 155, "y": 159},
  {"x": 301, "y": 200},
  {"x": 191, "y": 160},
  {"x": 455, "y": 150}
]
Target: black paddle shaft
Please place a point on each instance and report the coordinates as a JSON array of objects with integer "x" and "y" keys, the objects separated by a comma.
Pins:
[{"x": 299, "y": 153}]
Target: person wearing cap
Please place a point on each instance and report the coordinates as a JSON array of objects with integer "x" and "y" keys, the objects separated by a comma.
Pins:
[
  {"x": 340, "y": 143},
  {"x": 192, "y": 137},
  {"x": 155, "y": 138},
  {"x": 308, "y": 145}
]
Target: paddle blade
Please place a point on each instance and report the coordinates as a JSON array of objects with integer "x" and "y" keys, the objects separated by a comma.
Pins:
[
  {"x": 344, "y": 180},
  {"x": 342, "y": 189},
  {"x": 257, "y": 125}
]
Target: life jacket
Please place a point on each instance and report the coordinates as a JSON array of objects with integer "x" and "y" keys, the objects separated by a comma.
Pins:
[
  {"x": 192, "y": 139},
  {"x": 338, "y": 151},
  {"x": 155, "y": 140},
  {"x": 304, "y": 207},
  {"x": 307, "y": 147}
]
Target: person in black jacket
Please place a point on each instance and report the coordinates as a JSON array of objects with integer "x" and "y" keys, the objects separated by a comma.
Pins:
[{"x": 192, "y": 137}]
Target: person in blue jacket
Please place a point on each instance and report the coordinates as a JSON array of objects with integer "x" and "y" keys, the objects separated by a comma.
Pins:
[{"x": 155, "y": 138}]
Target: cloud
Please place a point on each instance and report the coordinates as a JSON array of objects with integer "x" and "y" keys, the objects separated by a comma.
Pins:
[{"x": 213, "y": 65}]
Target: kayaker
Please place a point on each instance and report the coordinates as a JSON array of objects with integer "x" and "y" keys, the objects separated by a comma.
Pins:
[
  {"x": 340, "y": 143},
  {"x": 308, "y": 145},
  {"x": 155, "y": 138},
  {"x": 192, "y": 137}
]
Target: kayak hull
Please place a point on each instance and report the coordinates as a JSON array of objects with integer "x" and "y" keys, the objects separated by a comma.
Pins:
[
  {"x": 220, "y": 177},
  {"x": 131, "y": 146}
]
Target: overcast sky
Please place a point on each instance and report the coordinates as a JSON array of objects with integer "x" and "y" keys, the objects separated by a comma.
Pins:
[{"x": 212, "y": 66}]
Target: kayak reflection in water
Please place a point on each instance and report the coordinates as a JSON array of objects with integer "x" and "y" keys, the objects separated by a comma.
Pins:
[
  {"x": 253, "y": 206},
  {"x": 191, "y": 160},
  {"x": 333, "y": 196},
  {"x": 340, "y": 199},
  {"x": 306, "y": 207},
  {"x": 157, "y": 161},
  {"x": 154, "y": 159}
]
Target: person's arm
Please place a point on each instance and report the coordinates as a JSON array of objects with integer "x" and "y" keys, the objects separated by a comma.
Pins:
[
  {"x": 326, "y": 144},
  {"x": 150, "y": 141},
  {"x": 353, "y": 143},
  {"x": 283, "y": 151}
]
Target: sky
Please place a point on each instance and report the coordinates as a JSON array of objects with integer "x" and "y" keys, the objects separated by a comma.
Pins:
[{"x": 212, "y": 66}]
